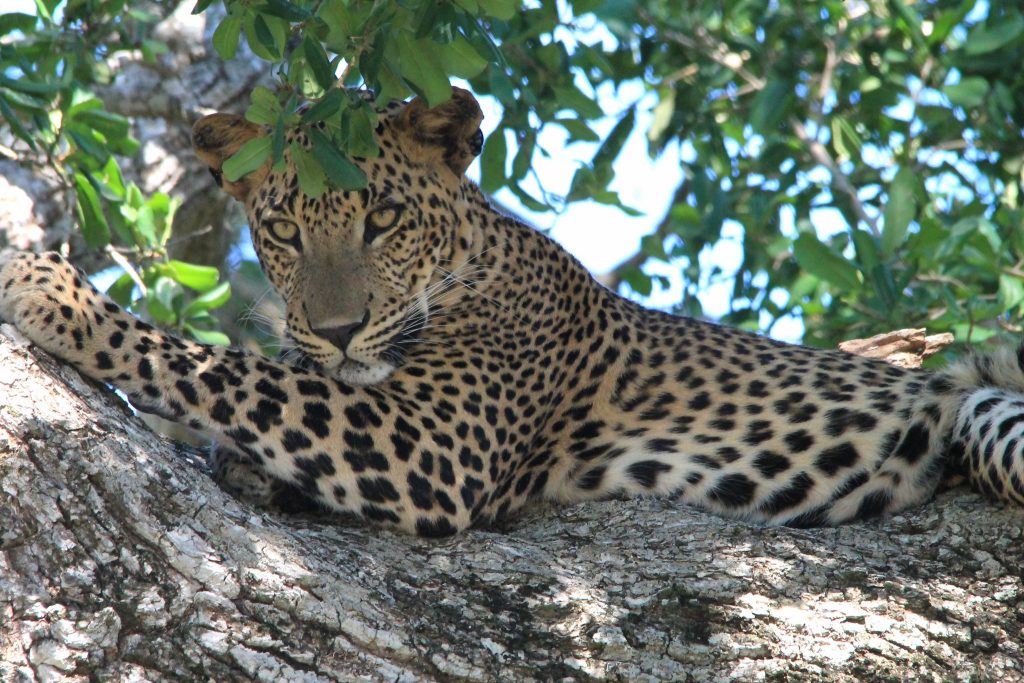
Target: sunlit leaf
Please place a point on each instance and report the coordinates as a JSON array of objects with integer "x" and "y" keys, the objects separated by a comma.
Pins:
[
  {"x": 91, "y": 218},
  {"x": 820, "y": 261},
  {"x": 251, "y": 156},
  {"x": 226, "y": 35},
  {"x": 209, "y": 300},
  {"x": 339, "y": 168},
  {"x": 900, "y": 209},
  {"x": 312, "y": 179},
  {"x": 492, "y": 161}
]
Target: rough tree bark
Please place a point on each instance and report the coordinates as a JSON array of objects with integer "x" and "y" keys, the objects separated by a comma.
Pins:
[{"x": 121, "y": 560}]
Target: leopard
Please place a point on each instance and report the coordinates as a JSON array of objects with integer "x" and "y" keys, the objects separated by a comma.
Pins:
[{"x": 453, "y": 364}]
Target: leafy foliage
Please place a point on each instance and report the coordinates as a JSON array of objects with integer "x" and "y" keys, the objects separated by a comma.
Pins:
[
  {"x": 47, "y": 75},
  {"x": 871, "y": 152},
  {"x": 903, "y": 119}
]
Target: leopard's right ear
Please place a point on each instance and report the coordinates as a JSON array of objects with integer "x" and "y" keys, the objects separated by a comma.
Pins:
[{"x": 218, "y": 136}]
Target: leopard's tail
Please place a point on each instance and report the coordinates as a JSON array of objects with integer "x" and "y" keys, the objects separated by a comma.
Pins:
[
  {"x": 966, "y": 421},
  {"x": 987, "y": 435}
]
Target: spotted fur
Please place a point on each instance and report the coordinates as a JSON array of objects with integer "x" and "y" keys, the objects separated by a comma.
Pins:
[{"x": 455, "y": 364}]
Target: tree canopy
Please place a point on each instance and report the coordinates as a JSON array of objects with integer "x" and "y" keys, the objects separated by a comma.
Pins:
[{"x": 871, "y": 151}]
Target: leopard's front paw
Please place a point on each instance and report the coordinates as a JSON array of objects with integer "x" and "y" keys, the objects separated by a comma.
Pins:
[
  {"x": 46, "y": 299},
  {"x": 23, "y": 280}
]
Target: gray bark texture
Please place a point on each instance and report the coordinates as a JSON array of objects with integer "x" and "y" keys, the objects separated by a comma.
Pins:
[{"x": 121, "y": 560}]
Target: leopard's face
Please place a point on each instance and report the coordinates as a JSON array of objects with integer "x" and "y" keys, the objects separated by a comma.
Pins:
[{"x": 355, "y": 267}]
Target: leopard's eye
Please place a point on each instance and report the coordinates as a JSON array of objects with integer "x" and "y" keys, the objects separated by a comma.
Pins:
[
  {"x": 380, "y": 220},
  {"x": 284, "y": 230}
]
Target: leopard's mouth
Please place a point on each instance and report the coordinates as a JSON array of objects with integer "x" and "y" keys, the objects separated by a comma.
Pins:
[
  {"x": 362, "y": 371},
  {"x": 348, "y": 370}
]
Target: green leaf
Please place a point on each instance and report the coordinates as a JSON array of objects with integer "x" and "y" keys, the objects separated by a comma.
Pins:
[
  {"x": 209, "y": 300},
  {"x": 328, "y": 105},
  {"x": 481, "y": 39},
  {"x": 199, "y": 278},
  {"x": 662, "y": 114},
  {"x": 112, "y": 126},
  {"x": 845, "y": 139},
  {"x": 985, "y": 38},
  {"x": 225, "y": 38},
  {"x": 524, "y": 156},
  {"x": 145, "y": 228},
  {"x": 121, "y": 290},
  {"x": 499, "y": 9},
  {"x": 311, "y": 176},
  {"x": 86, "y": 140},
  {"x": 160, "y": 302},
  {"x": 900, "y": 209},
  {"x": 571, "y": 97},
  {"x": 15, "y": 123},
  {"x": 250, "y": 157},
  {"x": 492, "y": 162},
  {"x": 113, "y": 187},
  {"x": 637, "y": 280},
  {"x": 277, "y": 143},
  {"x": 31, "y": 87},
  {"x": 418, "y": 63},
  {"x": 266, "y": 35},
  {"x": 578, "y": 130},
  {"x": 93, "y": 222},
  {"x": 528, "y": 200},
  {"x": 264, "y": 107},
  {"x": 461, "y": 59},
  {"x": 342, "y": 172},
  {"x": 867, "y": 249},
  {"x": 212, "y": 337},
  {"x": 612, "y": 145},
  {"x": 361, "y": 123},
  {"x": 16, "y": 21},
  {"x": 820, "y": 261},
  {"x": 319, "y": 64},
  {"x": 1011, "y": 291},
  {"x": 885, "y": 286},
  {"x": 771, "y": 105},
  {"x": 969, "y": 92},
  {"x": 284, "y": 9}
]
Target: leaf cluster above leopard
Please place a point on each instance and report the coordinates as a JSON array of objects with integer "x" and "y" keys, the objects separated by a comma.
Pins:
[{"x": 455, "y": 364}]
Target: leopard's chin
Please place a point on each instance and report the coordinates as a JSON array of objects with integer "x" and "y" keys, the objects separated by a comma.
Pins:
[
  {"x": 362, "y": 374},
  {"x": 347, "y": 370}
]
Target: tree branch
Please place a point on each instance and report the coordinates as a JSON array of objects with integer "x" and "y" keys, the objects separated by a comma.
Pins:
[
  {"x": 712, "y": 48},
  {"x": 120, "y": 559}
]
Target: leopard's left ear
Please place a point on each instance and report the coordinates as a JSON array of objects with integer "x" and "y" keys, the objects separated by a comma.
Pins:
[
  {"x": 448, "y": 133},
  {"x": 218, "y": 136}
]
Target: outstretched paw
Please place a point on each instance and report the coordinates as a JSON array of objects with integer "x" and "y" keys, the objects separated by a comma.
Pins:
[{"x": 49, "y": 301}]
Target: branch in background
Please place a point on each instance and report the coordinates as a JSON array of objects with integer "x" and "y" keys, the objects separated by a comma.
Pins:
[
  {"x": 718, "y": 52},
  {"x": 904, "y": 348},
  {"x": 839, "y": 180}
]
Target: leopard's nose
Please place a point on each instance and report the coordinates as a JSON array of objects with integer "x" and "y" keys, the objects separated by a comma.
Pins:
[{"x": 341, "y": 335}]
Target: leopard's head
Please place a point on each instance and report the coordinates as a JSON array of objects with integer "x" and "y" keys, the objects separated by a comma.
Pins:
[{"x": 355, "y": 267}]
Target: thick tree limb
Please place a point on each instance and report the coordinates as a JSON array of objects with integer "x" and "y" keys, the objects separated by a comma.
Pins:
[{"x": 119, "y": 559}]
